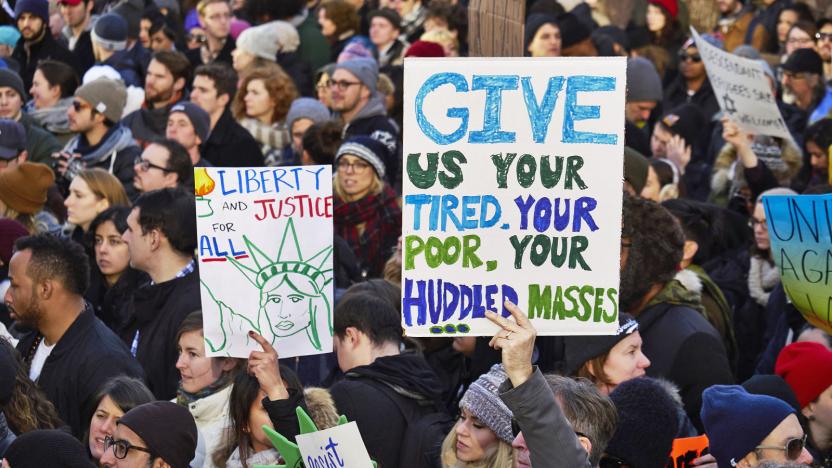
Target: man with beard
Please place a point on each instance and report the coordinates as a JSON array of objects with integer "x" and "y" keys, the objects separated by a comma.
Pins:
[
  {"x": 164, "y": 86},
  {"x": 36, "y": 42},
  {"x": 823, "y": 44},
  {"x": 78, "y": 20},
  {"x": 70, "y": 353},
  {"x": 680, "y": 343}
]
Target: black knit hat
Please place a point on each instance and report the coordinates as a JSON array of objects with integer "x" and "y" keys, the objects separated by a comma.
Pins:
[
  {"x": 389, "y": 14},
  {"x": 47, "y": 447},
  {"x": 580, "y": 349},
  {"x": 572, "y": 31},
  {"x": 647, "y": 423},
  {"x": 166, "y": 428},
  {"x": 10, "y": 79},
  {"x": 534, "y": 22},
  {"x": 687, "y": 121}
]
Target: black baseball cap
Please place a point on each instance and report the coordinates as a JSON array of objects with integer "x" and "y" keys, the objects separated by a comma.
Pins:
[
  {"x": 804, "y": 61},
  {"x": 12, "y": 139}
]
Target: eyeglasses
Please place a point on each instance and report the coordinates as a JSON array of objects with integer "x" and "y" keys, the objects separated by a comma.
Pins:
[
  {"x": 359, "y": 167},
  {"x": 695, "y": 58},
  {"x": 793, "y": 76},
  {"x": 121, "y": 447},
  {"x": 342, "y": 85},
  {"x": 78, "y": 106},
  {"x": 824, "y": 36},
  {"x": 609, "y": 461},
  {"x": 753, "y": 222},
  {"x": 793, "y": 448},
  {"x": 145, "y": 165},
  {"x": 800, "y": 40}
]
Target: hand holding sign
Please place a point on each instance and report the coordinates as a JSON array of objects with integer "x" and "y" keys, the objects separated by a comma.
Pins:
[
  {"x": 516, "y": 340},
  {"x": 264, "y": 366}
]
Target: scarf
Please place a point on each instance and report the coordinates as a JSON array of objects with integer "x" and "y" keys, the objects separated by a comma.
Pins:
[
  {"x": 264, "y": 458},
  {"x": 54, "y": 118},
  {"x": 184, "y": 398},
  {"x": 382, "y": 219},
  {"x": 115, "y": 140},
  {"x": 762, "y": 278},
  {"x": 272, "y": 138}
]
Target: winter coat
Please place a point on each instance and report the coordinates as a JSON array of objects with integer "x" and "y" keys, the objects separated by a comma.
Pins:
[
  {"x": 551, "y": 441},
  {"x": 211, "y": 415},
  {"x": 372, "y": 121},
  {"x": 109, "y": 302},
  {"x": 130, "y": 71},
  {"x": 230, "y": 145},
  {"x": 46, "y": 48},
  {"x": 224, "y": 57},
  {"x": 148, "y": 125},
  {"x": 84, "y": 358},
  {"x": 40, "y": 144},
  {"x": 6, "y": 435},
  {"x": 155, "y": 314},
  {"x": 314, "y": 48},
  {"x": 784, "y": 325},
  {"x": 115, "y": 153},
  {"x": 379, "y": 420},
  {"x": 82, "y": 50},
  {"x": 685, "y": 349}
]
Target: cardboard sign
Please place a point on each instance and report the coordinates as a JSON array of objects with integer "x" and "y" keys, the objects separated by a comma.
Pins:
[
  {"x": 265, "y": 258},
  {"x": 686, "y": 450},
  {"x": 513, "y": 173},
  {"x": 339, "y": 446},
  {"x": 800, "y": 233},
  {"x": 742, "y": 90}
]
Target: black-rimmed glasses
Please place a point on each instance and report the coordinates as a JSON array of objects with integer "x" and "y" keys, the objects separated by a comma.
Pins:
[
  {"x": 145, "y": 165},
  {"x": 121, "y": 447}
]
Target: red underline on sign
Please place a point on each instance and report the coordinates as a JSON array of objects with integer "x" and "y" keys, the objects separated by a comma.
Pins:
[{"x": 238, "y": 257}]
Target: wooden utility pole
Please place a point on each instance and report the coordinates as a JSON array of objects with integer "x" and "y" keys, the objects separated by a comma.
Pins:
[{"x": 495, "y": 28}]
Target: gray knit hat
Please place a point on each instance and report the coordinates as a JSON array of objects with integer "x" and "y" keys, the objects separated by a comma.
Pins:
[
  {"x": 106, "y": 96},
  {"x": 267, "y": 40},
  {"x": 368, "y": 149},
  {"x": 365, "y": 69},
  {"x": 643, "y": 81},
  {"x": 110, "y": 32},
  {"x": 306, "y": 108},
  {"x": 482, "y": 399}
]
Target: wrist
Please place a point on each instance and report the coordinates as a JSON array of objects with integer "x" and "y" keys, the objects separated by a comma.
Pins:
[
  {"x": 277, "y": 392},
  {"x": 519, "y": 376}
]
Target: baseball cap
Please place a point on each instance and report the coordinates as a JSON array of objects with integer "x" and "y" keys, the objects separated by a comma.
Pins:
[
  {"x": 12, "y": 139},
  {"x": 804, "y": 61}
]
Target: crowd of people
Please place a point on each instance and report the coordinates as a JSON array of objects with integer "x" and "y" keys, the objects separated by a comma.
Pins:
[{"x": 107, "y": 106}]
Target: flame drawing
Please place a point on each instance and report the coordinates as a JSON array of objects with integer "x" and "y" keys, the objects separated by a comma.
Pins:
[{"x": 203, "y": 185}]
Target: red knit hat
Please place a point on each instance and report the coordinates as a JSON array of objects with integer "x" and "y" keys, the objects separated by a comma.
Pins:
[
  {"x": 671, "y": 6},
  {"x": 425, "y": 49},
  {"x": 807, "y": 368}
]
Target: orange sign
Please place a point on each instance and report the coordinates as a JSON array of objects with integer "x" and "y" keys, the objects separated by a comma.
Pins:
[{"x": 686, "y": 450}]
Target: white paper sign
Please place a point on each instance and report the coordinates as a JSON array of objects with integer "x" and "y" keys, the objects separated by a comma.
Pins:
[
  {"x": 265, "y": 258},
  {"x": 339, "y": 446},
  {"x": 742, "y": 90},
  {"x": 513, "y": 174}
]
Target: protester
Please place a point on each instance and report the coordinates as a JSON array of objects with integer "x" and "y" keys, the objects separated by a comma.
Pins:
[
  {"x": 215, "y": 19},
  {"x": 261, "y": 107},
  {"x": 78, "y": 22},
  {"x": 23, "y": 191},
  {"x": 803, "y": 78},
  {"x": 303, "y": 113},
  {"x": 26, "y": 407},
  {"x": 109, "y": 45},
  {"x": 189, "y": 126},
  {"x": 116, "y": 397},
  {"x": 339, "y": 23},
  {"x": 640, "y": 179},
  {"x": 800, "y": 36},
  {"x": 53, "y": 85},
  {"x": 663, "y": 27},
  {"x": 823, "y": 44},
  {"x": 259, "y": 46},
  {"x": 90, "y": 193},
  {"x": 733, "y": 24},
  {"x": 161, "y": 238},
  {"x": 643, "y": 95},
  {"x": 320, "y": 143},
  {"x": 40, "y": 144},
  {"x": 163, "y": 164},
  {"x": 818, "y": 139},
  {"x": 36, "y": 41},
  {"x": 385, "y": 29},
  {"x": 70, "y": 353},
  {"x": 542, "y": 36},
  {"x": 46, "y": 447}
]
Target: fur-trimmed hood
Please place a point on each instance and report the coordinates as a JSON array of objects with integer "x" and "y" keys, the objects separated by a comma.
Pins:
[
  {"x": 728, "y": 177},
  {"x": 321, "y": 407}
]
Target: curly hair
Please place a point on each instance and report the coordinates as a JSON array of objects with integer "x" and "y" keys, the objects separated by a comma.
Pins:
[
  {"x": 278, "y": 84},
  {"x": 343, "y": 14},
  {"x": 28, "y": 409}
]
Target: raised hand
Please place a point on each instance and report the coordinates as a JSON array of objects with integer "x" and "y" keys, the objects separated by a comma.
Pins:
[
  {"x": 264, "y": 366},
  {"x": 516, "y": 341}
]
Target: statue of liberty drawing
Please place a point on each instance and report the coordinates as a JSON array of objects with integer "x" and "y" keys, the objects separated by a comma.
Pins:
[{"x": 292, "y": 292}]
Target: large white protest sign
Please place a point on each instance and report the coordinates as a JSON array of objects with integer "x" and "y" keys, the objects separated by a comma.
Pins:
[
  {"x": 742, "y": 90},
  {"x": 265, "y": 258},
  {"x": 339, "y": 446},
  {"x": 513, "y": 175}
]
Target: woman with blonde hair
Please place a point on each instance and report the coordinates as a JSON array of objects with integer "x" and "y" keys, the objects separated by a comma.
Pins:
[
  {"x": 483, "y": 434},
  {"x": 261, "y": 106},
  {"x": 91, "y": 192},
  {"x": 445, "y": 38}
]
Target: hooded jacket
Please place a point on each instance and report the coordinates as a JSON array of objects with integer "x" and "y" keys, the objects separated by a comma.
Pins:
[
  {"x": 380, "y": 422},
  {"x": 372, "y": 121},
  {"x": 115, "y": 153}
]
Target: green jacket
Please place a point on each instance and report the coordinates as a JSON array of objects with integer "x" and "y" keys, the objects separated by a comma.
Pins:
[{"x": 40, "y": 144}]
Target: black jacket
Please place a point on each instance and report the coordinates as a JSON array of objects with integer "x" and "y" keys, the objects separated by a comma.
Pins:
[
  {"x": 195, "y": 55},
  {"x": 6, "y": 436},
  {"x": 156, "y": 312},
  {"x": 147, "y": 125},
  {"x": 230, "y": 145},
  {"x": 87, "y": 355},
  {"x": 109, "y": 303},
  {"x": 84, "y": 56},
  {"x": 46, "y": 48},
  {"x": 685, "y": 349},
  {"x": 381, "y": 423}
]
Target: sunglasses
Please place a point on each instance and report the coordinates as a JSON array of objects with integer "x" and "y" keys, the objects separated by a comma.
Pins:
[
  {"x": 793, "y": 448},
  {"x": 695, "y": 58},
  {"x": 78, "y": 106},
  {"x": 823, "y": 36}
]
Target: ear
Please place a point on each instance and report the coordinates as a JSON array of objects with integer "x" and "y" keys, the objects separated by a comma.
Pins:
[
  {"x": 179, "y": 84},
  {"x": 586, "y": 443},
  {"x": 159, "y": 463},
  {"x": 46, "y": 289},
  {"x": 690, "y": 249},
  {"x": 809, "y": 410},
  {"x": 155, "y": 239},
  {"x": 352, "y": 337},
  {"x": 102, "y": 205},
  {"x": 629, "y": 189},
  {"x": 224, "y": 100},
  {"x": 24, "y": 156},
  {"x": 228, "y": 364}
]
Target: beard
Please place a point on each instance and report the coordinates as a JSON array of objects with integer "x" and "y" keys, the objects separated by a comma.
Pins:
[
  {"x": 31, "y": 315},
  {"x": 633, "y": 284},
  {"x": 161, "y": 96}
]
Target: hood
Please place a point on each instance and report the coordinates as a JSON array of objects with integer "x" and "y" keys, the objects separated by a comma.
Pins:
[
  {"x": 374, "y": 107},
  {"x": 115, "y": 140},
  {"x": 407, "y": 373},
  {"x": 320, "y": 407}
]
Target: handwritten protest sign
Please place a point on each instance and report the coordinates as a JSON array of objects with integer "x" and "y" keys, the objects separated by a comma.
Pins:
[
  {"x": 265, "y": 258},
  {"x": 800, "y": 232},
  {"x": 687, "y": 449},
  {"x": 339, "y": 446},
  {"x": 512, "y": 191},
  {"x": 742, "y": 90}
]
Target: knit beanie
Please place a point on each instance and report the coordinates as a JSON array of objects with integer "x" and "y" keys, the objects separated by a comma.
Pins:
[
  {"x": 110, "y": 32},
  {"x": 106, "y": 96},
  {"x": 364, "y": 69},
  {"x": 354, "y": 50},
  {"x": 647, "y": 423},
  {"x": 736, "y": 421},
  {"x": 670, "y": 6},
  {"x": 482, "y": 399},
  {"x": 687, "y": 121},
  {"x": 8, "y": 368},
  {"x": 391, "y": 15},
  {"x": 367, "y": 148},
  {"x": 131, "y": 11},
  {"x": 572, "y": 30},
  {"x": 306, "y": 108},
  {"x": 643, "y": 81},
  {"x": 23, "y": 187},
  {"x": 807, "y": 368},
  {"x": 267, "y": 40},
  {"x": 10, "y": 231},
  {"x": 10, "y": 79},
  {"x": 636, "y": 168},
  {"x": 39, "y": 8},
  {"x": 534, "y": 22},
  {"x": 9, "y": 35},
  {"x": 616, "y": 34},
  {"x": 166, "y": 428},
  {"x": 580, "y": 349},
  {"x": 425, "y": 49},
  {"x": 773, "y": 386},
  {"x": 47, "y": 447},
  {"x": 200, "y": 119}
]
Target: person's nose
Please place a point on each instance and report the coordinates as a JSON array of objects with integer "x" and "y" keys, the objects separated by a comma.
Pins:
[{"x": 805, "y": 457}]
